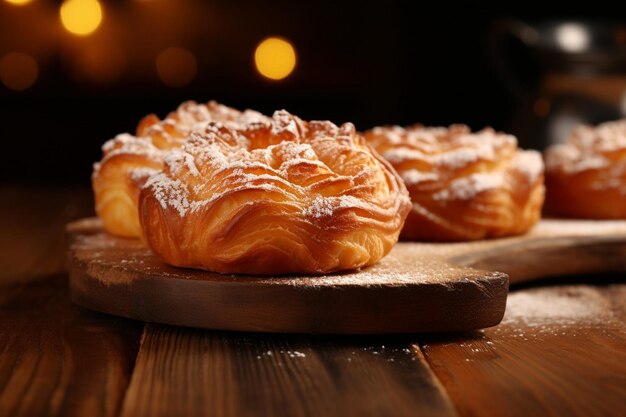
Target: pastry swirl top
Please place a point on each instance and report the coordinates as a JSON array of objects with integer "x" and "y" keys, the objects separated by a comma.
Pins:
[
  {"x": 463, "y": 185},
  {"x": 586, "y": 175},
  {"x": 128, "y": 160},
  {"x": 589, "y": 148},
  {"x": 278, "y": 197}
]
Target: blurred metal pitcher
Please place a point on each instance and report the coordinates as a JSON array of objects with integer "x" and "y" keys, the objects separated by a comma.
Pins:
[{"x": 561, "y": 74}]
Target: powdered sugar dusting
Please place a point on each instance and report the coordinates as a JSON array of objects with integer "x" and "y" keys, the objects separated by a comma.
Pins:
[
  {"x": 589, "y": 148},
  {"x": 606, "y": 137},
  {"x": 402, "y": 154},
  {"x": 272, "y": 168},
  {"x": 529, "y": 164},
  {"x": 178, "y": 161},
  {"x": 159, "y": 137},
  {"x": 285, "y": 123},
  {"x": 572, "y": 160},
  {"x": 469, "y": 187},
  {"x": 169, "y": 193},
  {"x": 413, "y": 176},
  {"x": 612, "y": 178},
  {"x": 140, "y": 175},
  {"x": 322, "y": 206},
  {"x": 126, "y": 144},
  {"x": 456, "y": 163},
  {"x": 445, "y": 148},
  {"x": 460, "y": 158},
  {"x": 291, "y": 151},
  {"x": 192, "y": 117},
  {"x": 568, "y": 305}
]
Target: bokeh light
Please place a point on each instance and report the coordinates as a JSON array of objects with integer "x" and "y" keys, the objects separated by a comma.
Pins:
[
  {"x": 176, "y": 67},
  {"x": 81, "y": 17},
  {"x": 275, "y": 58},
  {"x": 18, "y": 2},
  {"x": 573, "y": 37},
  {"x": 18, "y": 71}
]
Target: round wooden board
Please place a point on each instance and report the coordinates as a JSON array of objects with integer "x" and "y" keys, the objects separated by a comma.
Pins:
[{"x": 418, "y": 287}]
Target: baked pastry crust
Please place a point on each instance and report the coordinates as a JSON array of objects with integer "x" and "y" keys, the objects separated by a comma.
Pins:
[
  {"x": 463, "y": 185},
  {"x": 586, "y": 175},
  {"x": 285, "y": 196},
  {"x": 129, "y": 160}
]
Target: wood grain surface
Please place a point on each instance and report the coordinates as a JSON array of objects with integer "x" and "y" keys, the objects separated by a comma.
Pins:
[
  {"x": 418, "y": 287},
  {"x": 56, "y": 359},
  {"x": 560, "y": 350},
  {"x": 31, "y": 234},
  {"x": 60, "y": 359},
  {"x": 187, "y": 372}
]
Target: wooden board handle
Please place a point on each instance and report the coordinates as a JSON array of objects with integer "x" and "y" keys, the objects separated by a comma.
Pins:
[{"x": 544, "y": 257}]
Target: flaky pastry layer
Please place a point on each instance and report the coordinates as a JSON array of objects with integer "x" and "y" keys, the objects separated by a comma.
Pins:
[
  {"x": 129, "y": 160},
  {"x": 586, "y": 175},
  {"x": 284, "y": 196},
  {"x": 463, "y": 185}
]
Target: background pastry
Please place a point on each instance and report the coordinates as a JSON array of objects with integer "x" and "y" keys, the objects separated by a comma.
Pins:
[
  {"x": 129, "y": 160},
  {"x": 288, "y": 196},
  {"x": 463, "y": 185},
  {"x": 586, "y": 175}
]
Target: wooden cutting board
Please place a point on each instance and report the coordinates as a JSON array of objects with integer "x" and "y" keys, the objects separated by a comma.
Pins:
[{"x": 418, "y": 287}]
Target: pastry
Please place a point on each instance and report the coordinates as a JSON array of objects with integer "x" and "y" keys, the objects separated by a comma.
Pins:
[
  {"x": 586, "y": 175},
  {"x": 129, "y": 160},
  {"x": 463, "y": 185},
  {"x": 286, "y": 196}
]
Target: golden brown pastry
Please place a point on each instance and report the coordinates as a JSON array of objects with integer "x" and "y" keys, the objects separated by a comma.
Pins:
[
  {"x": 463, "y": 185},
  {"x": 281, "y": 197},
  {"x": 586, "y": 175},
  {"x": 129, "y": 160}
]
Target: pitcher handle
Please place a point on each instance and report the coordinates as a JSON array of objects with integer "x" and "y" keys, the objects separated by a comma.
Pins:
[{"x": 500, "y": 31}]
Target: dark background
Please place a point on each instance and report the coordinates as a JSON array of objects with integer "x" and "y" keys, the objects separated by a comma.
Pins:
[{"x": 369, "y": 63}]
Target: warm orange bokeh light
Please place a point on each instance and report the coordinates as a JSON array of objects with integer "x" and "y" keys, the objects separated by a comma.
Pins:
[
  {"x": 176, "y": 67},
  {"x": 81, "y": 17},
  {"x": 18, "y": 2},
  {"x": 18, "y": 71},
  {"x": 275, "y": 58}
]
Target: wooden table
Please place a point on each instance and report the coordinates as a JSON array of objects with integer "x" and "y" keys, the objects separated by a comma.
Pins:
[{"x": 560, "y": 351}]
